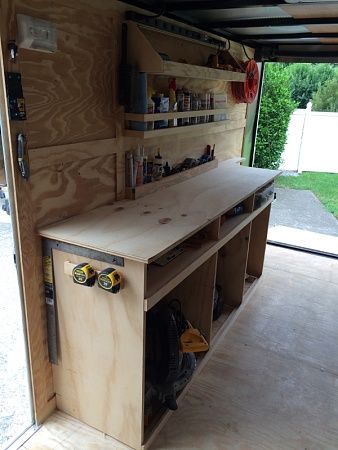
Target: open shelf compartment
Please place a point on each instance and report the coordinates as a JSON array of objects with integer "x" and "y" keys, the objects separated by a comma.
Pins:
[{"x": 195, "y": 295}]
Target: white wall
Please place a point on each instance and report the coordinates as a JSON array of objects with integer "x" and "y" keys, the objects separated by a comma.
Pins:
[{"x": 312, "y": 143}]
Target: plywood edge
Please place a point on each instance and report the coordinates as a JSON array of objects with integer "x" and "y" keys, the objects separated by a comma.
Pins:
[
  {"x": 140, "y": 51},
  {"x": 47, "y": 156},
  {"x": 176, "y": 69},
  {"x": 174, "y": 115},
  {"x": 204, "y": 128}
]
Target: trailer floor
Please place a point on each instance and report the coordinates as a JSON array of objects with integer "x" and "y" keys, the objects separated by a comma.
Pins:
[{"x": 272, "y": 381}]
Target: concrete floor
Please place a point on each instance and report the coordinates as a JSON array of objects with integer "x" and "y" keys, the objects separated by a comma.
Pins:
[
  {"x": 15, "y": 409},
  {"x": 270, "y": 384},
  {"x": 301, "y": 209}
]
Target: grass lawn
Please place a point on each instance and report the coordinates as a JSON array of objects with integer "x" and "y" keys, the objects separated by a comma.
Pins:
[{"x": 323, "y": 185}]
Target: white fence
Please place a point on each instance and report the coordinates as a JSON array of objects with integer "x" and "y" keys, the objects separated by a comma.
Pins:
[{"x": 312, "y": 143}]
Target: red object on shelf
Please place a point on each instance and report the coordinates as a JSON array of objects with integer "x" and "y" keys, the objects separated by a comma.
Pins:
[{"x": 246, "y": 92}]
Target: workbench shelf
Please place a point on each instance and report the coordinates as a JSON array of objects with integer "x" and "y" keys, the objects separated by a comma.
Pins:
[
  {"x": 142, "y": 54},
  {"x": 173, "y": 115},
  {"x": 210, "y": 127}
]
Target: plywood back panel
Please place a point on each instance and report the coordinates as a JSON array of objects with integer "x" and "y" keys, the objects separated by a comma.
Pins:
[
  {"x": 70, "y": 93},
  {"x": 65, "y": 189}
]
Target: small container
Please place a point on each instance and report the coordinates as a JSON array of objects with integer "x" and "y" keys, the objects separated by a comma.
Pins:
[
  {"x": 186, "y": 107},
  {"x": 158, "y": 166},
  {"x": 180, "y": 104},
  {"x": 150, "y": 110},
  {"x": 194, "y": 107}
]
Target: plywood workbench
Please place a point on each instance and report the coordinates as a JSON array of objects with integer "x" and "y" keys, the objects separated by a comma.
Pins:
[{"x": 100, "y": 374}]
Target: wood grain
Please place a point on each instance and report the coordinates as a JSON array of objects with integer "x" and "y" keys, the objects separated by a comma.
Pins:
[
  {"x": 73, "y": 434},
  {"x": 231, "y": 267},
  {"x": 69, "y": 94},
  {"x": 196, "y": 294},
  {"x": 46, "y": 156},
  {"x": 133, "y": 228},
  {"x": 99, "y": 378},
  {"x": 62, "y": 190}
]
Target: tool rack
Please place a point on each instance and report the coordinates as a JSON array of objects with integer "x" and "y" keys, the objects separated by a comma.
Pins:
[{"x": 100, "y": 372}]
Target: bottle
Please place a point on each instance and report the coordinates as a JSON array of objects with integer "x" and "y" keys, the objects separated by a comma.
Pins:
[
  {"x": 186, "y": 106},
  {"x": 204, "y": 104},
  {"x": 138, "y": 167},
  {"x": 212, "y": 106},
  {"x": 158, "y": 166},
  {"x": 145, "y": 165},
  {"x": 172, "y": 102},
  {"x": 194, "y": 107},
  {"x": 150, "y": 110},
  {"x": 207, "y": 97},
  {"x": 180, "y": 104},
  {"x": 166, "y": 170}
]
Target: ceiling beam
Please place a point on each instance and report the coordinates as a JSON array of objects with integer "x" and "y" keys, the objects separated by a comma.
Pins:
[
  {"x": 272, "y": 22},
  {"x": 222, "y": 4},
  {"x": 276, "y": 36}
]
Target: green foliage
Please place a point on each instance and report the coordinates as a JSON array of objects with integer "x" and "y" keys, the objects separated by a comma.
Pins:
[
  {"x": 306, "y": 79},
  {"x": 275, "y": 111},
  {"x": 323, "y": 185},
  {"x": 326, "y": 98}
]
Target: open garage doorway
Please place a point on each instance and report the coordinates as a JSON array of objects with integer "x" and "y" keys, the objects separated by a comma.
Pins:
[
  {"x": 296, "y": 133},
  {"x": 16, "y": 414}
]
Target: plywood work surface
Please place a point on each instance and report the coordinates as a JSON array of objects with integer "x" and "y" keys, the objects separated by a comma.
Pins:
[
  {"x": 271, "y": 382},
  {"x": 146, "y": 228}
]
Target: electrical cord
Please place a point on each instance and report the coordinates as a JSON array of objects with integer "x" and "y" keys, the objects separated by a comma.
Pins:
[{"x": 245, "y": 52}]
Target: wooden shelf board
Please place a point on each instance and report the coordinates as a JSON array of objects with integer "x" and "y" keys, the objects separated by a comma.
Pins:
[
  {"x": 161, "y": 280},
  {"x": 155, "y": 186},
  {"x": 174, "y": 115},
  {"x": 215, "y": 127},
  {"x": 175, "y": 69}
]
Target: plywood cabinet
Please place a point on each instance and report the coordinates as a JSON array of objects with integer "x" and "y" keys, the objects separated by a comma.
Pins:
[{"x": 101, "y": 337}]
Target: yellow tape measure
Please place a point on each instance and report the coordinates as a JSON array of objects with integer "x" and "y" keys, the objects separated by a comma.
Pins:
[
  {"x": 84, "y": 274},
  {"x": 110, "y": 280}
]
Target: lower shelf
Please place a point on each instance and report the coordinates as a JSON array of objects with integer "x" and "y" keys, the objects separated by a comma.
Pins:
[{"x": 219, "y": 327}]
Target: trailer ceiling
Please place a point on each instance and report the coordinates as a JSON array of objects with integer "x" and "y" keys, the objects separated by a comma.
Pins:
[{"x": 286, "y": 30}]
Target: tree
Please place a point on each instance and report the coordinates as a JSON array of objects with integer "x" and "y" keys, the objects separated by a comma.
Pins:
[
  {"x": 306, "y": 79},
  {"x": 326, "y": 98},
  {"x": 275, "y": 111}
]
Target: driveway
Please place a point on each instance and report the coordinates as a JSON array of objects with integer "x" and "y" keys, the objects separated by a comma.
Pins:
[
  {"x": 298, "y": 218},
  {"x": 301, "y": 209}
]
